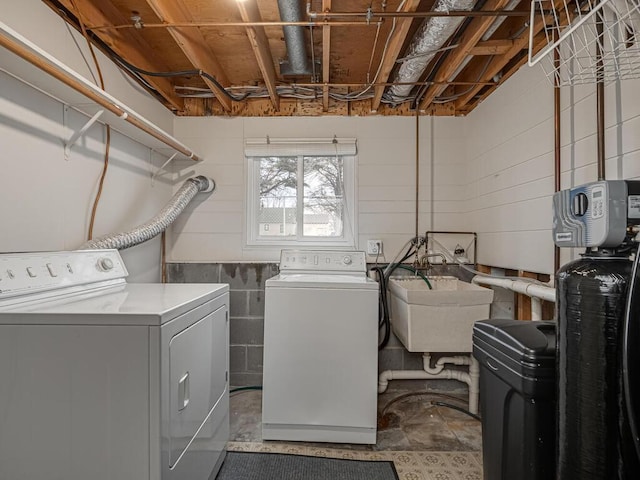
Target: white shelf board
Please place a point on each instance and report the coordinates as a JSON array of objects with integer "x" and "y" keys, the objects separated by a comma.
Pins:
[{"x": 24, "y": 71}]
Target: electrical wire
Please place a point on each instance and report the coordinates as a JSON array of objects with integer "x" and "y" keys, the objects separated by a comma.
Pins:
[
  {"x": 103, "y": 175},
  {"x": 105, "y": 165},
  {"x": 462, "y": 94},
  {"x": 373, "y": 51},
  {"x": 181, "y": 73},
  {"x": 357, "y": 95}
]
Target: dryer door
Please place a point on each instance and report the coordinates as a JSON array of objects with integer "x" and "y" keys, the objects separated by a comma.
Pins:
[{"x": 197, "y": 379}]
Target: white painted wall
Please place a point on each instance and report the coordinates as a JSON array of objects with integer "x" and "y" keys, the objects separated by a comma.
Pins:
[
  {"x": 491, "y": 172},
  {"x": 45, "y": 200},
  {"x": 510, "y": 160},
  {"x": 42, "y": 26},
  {"x": 214, "y": 228}
]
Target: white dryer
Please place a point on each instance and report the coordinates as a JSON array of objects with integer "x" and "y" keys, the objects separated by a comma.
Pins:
[
  {"x": 320, "y": 349},
  {"x": 104, "y": 380}
]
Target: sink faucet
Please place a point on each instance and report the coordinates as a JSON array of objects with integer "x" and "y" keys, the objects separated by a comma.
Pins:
[{"x": 424, "y": 260}]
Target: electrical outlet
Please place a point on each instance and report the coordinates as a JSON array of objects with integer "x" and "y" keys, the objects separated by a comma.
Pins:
[{"x": 374, "y": 247}]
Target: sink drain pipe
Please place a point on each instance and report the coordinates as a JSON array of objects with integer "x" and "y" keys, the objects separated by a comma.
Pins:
[
  {"x": 158, "y": 224},
  {"x": 471, "y": 378}
]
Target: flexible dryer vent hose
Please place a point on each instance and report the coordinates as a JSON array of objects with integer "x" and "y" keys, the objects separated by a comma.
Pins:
[{"x": 157, "y": 224}]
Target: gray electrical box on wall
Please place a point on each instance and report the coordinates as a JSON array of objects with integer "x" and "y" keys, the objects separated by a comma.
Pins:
[{"x": 596, "y": 214}]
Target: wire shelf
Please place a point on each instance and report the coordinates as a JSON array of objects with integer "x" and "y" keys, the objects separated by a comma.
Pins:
[{"x": 572, "y": 27}]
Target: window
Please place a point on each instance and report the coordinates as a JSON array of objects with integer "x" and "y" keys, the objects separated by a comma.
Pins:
[{"x": 300, "y": 194}]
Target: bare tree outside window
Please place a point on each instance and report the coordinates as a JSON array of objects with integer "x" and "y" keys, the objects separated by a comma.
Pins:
[
  {"x": 321, "y": 190},
  {"x": 323, "y": 195}
]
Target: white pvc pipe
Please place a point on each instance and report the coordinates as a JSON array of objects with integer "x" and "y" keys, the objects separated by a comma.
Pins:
[
  {"x": 471, "y": 378},
  {"x": 536, "y": 309},
  {"x": 388, "y": 375},
  {"x": 520, "y": 286},
  {"x": 440, "y": 364}
]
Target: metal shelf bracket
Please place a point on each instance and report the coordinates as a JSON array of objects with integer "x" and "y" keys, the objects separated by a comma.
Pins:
[
  {"x": 76, "y": 136},
  {"x": 157, "y": 172}
]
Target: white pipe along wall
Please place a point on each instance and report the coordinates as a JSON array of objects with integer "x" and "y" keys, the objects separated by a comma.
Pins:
[
  {"x": 533, "y": 290},
  {"x": 530, "y": 289}
]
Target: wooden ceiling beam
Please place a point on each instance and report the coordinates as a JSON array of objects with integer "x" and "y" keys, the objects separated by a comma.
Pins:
[
  {"x": 127, "y": 44},
  {"x": 491, "y": 47},
  {"x": 260, "y": 45},
  {"x": 497, "y": 64},
  {"x": 471, "y": 36},
  {"x": 393, "y": 50},
  {"x": 193, "y": 44},
  {"x": 539, "y": 42},
  {"x": 326, "y": 57}
]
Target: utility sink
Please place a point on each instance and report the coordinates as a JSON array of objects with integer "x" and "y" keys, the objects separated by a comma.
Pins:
[{"x": 437, "y": 320}]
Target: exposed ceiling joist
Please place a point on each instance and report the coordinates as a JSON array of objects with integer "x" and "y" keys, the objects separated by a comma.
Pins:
[
  {"x": 471, "y": 36},
  {"x": 260, "y": 44},
  {"x": 491, "y": 47},
  {"x": 326, "y": 57},
  {"x": 539, "y": 42},
  {"x": 125, "y": 43},
  {"x": 193, "y": 44},
  {"x": 498, "y": 63},
  {"x": 174, "y": 35},
  {"x": 402, "y": 27}
]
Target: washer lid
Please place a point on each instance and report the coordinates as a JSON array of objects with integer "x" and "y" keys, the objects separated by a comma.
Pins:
[{"x": 319, "y": 280}]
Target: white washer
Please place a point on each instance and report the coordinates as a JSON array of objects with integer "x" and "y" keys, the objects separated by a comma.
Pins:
[
  {"x": 104, "y": 380},
  {"x": 320, "y": 349}
]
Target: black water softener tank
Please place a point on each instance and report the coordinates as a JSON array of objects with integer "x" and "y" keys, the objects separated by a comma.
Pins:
[{"x": 594, "y": 440}]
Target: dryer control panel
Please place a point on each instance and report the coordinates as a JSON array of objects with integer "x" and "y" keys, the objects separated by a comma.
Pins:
[
  {"x": 27, "y": 273},
  {"x": 323, "y": 261}
]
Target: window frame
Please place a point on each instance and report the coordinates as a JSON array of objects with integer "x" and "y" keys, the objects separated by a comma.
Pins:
[{"x": 349, "y": 229}]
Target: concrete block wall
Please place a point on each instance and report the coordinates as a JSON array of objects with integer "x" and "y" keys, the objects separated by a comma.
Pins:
[
  {"x": 246, "y": 310},
  {"x": 246, "y": 315}
]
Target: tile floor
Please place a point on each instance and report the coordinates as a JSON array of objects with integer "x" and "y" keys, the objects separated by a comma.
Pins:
[{"x": 424, "y": 441}]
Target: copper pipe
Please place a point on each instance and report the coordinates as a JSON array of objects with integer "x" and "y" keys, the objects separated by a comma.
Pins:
[
  {"x": 600, "y": 97},
  {"x": 557, "y": 141},
  {"x": 429, "y": 14},
  {"x": 381, "y": 84},
  {"x": 163, "y": 256},
  {"x": 325, "y": 23},
  {"x": 417, "y": 169},
  {"x": 325, "y": 16}
]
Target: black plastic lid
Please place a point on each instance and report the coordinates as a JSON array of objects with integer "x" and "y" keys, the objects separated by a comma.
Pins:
[{"x": 528, "y": 340}]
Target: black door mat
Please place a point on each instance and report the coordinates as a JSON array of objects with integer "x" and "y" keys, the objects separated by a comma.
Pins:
[{"x": 278, "y": 466}]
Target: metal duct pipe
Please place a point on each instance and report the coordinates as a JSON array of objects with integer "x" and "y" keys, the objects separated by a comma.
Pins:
[
  {"x": 431, "y": 36},
  {"x": 298, "y": 60},
  {"x": 158, "y": 224}
]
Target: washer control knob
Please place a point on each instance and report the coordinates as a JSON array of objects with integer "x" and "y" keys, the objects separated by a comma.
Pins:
[
  {"x": 347, "y": 260},
  {"x": 105, "y": 264}
]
